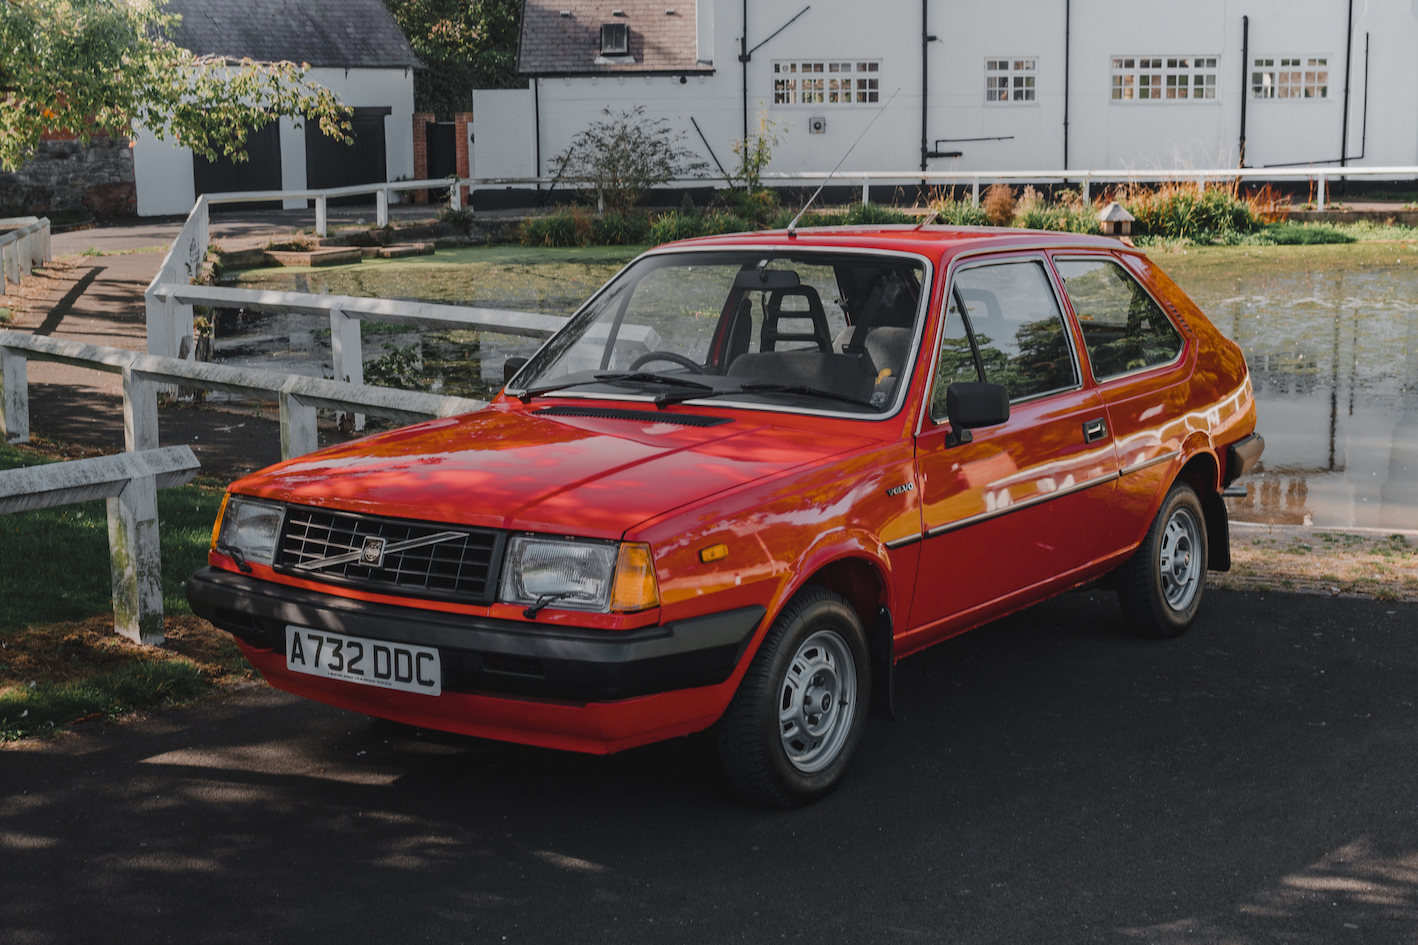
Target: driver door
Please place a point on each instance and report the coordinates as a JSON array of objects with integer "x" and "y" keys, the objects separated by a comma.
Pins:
[{"x": 1025, "y": 502}]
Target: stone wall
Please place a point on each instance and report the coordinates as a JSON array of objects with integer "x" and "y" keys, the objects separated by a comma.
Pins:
[{"x": 65, "y": 174}]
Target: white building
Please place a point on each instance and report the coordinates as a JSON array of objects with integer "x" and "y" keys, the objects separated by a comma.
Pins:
[
  {"x": 1005, "y": 85},
  {"x": 355, "y": 49}
]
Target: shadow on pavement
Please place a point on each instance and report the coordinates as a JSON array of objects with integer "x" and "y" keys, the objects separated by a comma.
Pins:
[{"x": 1050, "y": 780}]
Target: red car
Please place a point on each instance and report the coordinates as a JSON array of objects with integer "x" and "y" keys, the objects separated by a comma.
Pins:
[{"x": 750, "y": 474}]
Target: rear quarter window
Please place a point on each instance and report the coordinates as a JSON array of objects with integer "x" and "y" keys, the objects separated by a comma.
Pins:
[{"x": 1124, "y": 330}]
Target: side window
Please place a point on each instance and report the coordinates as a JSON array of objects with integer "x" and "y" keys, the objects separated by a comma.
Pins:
[
  {"x": 957, "y": 360},
  {"x": 1017, "y": 326},
  {"x": 1123, "y": 328}
]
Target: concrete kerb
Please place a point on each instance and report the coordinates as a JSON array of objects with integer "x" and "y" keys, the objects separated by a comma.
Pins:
[{"x": 130, "y": 483}]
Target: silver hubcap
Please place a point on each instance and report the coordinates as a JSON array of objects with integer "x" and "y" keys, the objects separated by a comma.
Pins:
[
  {"x": 1180, "y": 560},
  {"x": 816, "y": 701}
]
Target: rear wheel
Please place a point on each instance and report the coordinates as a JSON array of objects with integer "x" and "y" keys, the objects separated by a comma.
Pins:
[
  {"x": 794, "y": 724},
  {"x": 1161, "y": 585}
]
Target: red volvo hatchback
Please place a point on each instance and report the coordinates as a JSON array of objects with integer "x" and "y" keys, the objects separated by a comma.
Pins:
[{"x": 750, "y": 474}]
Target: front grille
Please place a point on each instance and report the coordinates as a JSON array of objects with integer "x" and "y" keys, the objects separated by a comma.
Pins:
[{"x": 446, "y": 562}]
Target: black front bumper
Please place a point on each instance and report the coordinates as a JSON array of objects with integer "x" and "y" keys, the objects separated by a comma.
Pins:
[{"x": 480, "y": 654}]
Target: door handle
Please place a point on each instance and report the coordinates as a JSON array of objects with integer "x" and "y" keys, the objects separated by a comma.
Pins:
[{"x": 1094, "y": 430}]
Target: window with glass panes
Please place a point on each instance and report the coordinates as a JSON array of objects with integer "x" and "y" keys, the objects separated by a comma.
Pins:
[
  {"x": 826, "y": 82},
  {"x": 1010, "y": 80},
  {"x": 1164, "y": 78},
  {"x": 1291, "y": 77}
]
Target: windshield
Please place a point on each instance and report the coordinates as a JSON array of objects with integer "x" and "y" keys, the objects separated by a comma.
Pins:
[{"x": 794, "y": 330}]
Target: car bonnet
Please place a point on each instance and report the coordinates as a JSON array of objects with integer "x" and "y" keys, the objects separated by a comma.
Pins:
[{"x": 508, "y": 467}]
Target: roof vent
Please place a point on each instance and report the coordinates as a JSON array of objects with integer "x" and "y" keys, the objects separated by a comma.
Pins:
[
  {"x": 617, "y": 13},
  {"x": 566, "y": 13}
]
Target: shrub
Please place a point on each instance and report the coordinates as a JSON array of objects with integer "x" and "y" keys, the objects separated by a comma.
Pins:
[
  {"x": 401, "y": 368},
  {"x": 959, "y": 213},
  {"x": 620, "y": 229},
  {"x": 624, "y": 156},
  {"x": 756, "y": 205},
  {"x": 712, "y": 224},
  {"x": 1177, "y": 211},
  {"x": 867, "y": 214},
  {"x": 563, "y": 228},
  {"x": 675, "y": 226},
  {"x": 998, "y": 204},
  {"x": 1305, "y": 234},
  {"x": 462, "y": 218}
]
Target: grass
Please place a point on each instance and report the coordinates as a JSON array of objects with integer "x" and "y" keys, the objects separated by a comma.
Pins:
[
  {"x": 45, "y": 707},
  {"x": 54, "y": 562},
  {"x": 60, "y": 660},
  {"x": 95, "y": 251}
]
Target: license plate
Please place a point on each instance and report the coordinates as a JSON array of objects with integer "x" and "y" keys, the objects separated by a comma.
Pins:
[{"x": 400, "y": 666}]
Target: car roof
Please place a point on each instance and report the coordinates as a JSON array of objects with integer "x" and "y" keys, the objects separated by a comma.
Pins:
[{"x": 937, "y": 243}]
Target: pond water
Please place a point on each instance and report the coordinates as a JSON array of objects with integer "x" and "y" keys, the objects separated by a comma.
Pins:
[
  {"x": 1333, "y": 353},
  {"x": 1330, "y": 333}
]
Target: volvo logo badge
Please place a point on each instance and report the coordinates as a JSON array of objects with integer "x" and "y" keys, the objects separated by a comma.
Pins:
[
  {"x": 372, "y": 554},
  {"x": 904, "y": 487}
]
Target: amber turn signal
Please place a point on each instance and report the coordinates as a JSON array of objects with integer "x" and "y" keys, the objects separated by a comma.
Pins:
[
  {"x": 217, "y": 525},
  {"x": 635, "y": 585},
  {"x": 713, "y": 552}
]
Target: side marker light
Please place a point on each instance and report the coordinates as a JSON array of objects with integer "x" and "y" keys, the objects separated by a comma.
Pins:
[{"x": 714, "y": 552}]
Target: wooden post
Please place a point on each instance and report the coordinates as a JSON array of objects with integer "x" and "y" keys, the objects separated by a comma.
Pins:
[
  {"x": 135, "y": 557},
  {"x": 299, "y": 435},
  {"x": 975, "y": 192},
  {"x": 140, "y": 411},
  {"x": 322, "y": 217},
  {"x": 346, "y": 354},
  {"x": 381, "y": 208},
  {"x": 15, "y": 400},
  {"x": 1319, "y": 191}
]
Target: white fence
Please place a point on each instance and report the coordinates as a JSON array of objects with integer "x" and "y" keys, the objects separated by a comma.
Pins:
[
  {"x": 130, "y": 482},
  {"x": 171, "y": 295},
  {"x": 1321, "y": 176},
  {"x": 299, "y": 397},
  {"x": 22, "y": 248}
]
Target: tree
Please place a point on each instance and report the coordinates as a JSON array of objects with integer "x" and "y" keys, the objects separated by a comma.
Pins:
[
  {"x": 467, "y": 44},
  {"x": 622, "y": 157},
  {"x": 102, "y": 66}
]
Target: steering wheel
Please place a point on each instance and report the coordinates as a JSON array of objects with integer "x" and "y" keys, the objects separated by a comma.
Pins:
[{"x": 680, "y": 359}]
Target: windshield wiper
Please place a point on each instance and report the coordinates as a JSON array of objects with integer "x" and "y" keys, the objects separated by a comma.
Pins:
[
  {"x": 679, "y": 397},
  {"x": 638, "y": 377}
]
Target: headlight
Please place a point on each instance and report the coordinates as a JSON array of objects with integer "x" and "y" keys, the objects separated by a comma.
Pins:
[
  {"x": 565, "y": 574},
  {"x": 250, "y": 528}
]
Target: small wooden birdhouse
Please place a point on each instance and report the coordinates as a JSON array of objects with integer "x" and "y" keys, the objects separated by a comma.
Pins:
[{"x": 1115, "y": 221}]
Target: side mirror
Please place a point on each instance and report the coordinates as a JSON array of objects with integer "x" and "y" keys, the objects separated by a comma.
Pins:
[
  {"x": 510, "y": 367},
  {"x": 970, "y": 404}
]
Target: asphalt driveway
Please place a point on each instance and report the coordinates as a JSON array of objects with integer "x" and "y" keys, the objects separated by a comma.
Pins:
[{"x": 1051, "y": 780}]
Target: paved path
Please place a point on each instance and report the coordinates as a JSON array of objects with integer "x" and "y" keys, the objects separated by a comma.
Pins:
[
  {"x": 98, "y": 299},
  {"x": 1051, "y": 780}
]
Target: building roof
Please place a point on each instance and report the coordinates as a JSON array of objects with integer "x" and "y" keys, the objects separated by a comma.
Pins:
[
  {"x": 353, "y": 34},
  {"x": 663, "y": 37}
]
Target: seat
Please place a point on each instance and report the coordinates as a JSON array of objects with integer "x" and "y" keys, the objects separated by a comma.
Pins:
[
  {"x": 887, "y": 346},
  {"x": 771, "y": 334}
]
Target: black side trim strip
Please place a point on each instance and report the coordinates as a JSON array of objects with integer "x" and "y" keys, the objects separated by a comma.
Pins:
[{"x": 640, "y": 416}]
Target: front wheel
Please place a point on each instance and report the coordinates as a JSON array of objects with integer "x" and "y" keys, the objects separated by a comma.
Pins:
[
  {"x": 795, "y": 721},
  {"x": 1160, "y": 586}
]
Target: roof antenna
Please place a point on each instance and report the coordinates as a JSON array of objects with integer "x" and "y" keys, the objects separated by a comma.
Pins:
[{"x": 793, "y": 226}]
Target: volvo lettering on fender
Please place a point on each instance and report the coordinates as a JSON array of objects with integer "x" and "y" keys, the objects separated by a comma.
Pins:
[{"x": 370, "y": 662}]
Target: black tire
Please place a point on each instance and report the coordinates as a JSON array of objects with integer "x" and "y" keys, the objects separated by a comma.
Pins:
[
  {"x": 754, "y": 743},
  {"x": 1160, "y": 587}
]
